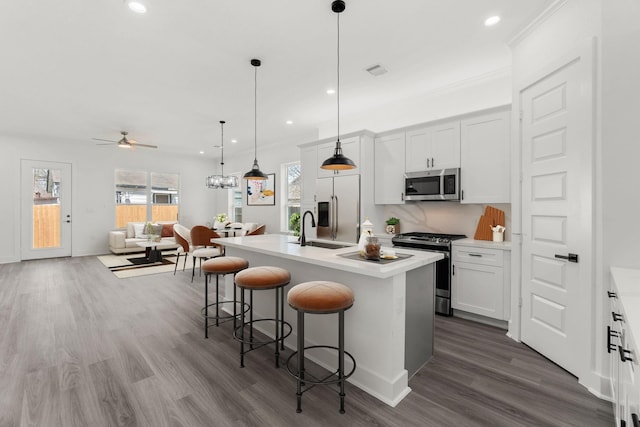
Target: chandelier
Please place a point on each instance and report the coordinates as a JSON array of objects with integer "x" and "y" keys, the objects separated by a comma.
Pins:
[{"x": 221, "y": 181}]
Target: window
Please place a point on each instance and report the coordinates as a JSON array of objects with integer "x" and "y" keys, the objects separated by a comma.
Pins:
[
  {"x": 164, "y": 203},
  {"x": 137, "y": 201},
  {"x": 291, "y": 195}
]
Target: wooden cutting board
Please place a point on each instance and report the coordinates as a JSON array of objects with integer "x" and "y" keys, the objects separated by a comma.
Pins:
[
  {"x": 496, "y": 216},
  {"x": 483, "y": 231},
  {"x": 492, "y": 217}
]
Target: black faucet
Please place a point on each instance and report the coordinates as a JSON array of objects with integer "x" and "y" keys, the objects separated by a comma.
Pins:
[{"x": 303, "y": 239}]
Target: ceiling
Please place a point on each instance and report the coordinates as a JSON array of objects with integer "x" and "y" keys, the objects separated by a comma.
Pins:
[{"x": 76, "y": 69}]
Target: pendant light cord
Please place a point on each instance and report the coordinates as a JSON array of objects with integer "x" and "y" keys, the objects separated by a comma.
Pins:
[
  {"x": 255, "y": 115},
  {"x": 338, "y": 74}
]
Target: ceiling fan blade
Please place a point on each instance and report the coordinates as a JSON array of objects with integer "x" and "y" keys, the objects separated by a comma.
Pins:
[
  {"x": 107, "y": 143},
  {"x": 107, "y": 140},
  {"x": 144, "y": 145}
]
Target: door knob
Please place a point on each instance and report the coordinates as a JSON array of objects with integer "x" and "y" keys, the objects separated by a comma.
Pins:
[{"x": 570, "y": 257}]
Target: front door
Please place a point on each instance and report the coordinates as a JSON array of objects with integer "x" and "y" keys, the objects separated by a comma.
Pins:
[
  {"x": 46, "y": 209},
  {"x": 557, "y": 172}
]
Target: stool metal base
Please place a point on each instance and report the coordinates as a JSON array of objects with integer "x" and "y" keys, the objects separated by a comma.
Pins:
[
  {"x": 299, "y": 375},
  {"x": 204, "y": 311},
  {"x": 304, "y": 377},
  {"x": 280, "y": 323}
]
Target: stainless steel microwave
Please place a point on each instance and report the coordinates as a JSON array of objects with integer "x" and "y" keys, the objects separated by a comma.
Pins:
[{"x": 436, "y": 184}]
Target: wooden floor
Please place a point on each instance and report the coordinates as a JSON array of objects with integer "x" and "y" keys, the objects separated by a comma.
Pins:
[{"x": 79, "y": 347}]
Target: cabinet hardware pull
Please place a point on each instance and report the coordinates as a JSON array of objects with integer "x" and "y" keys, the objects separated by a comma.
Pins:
[
  {"x": 462, "y": 195},
  {"x": 617, "y": 316},
  {"x": 402, "y": 196},
  {"x": 623, "y": 354},
  {"x": 570, "y": 257},
  {"x": 427, "y": 163},
  {"x": 476, "y": 255},
  {"x": 634, "y": 419},
  {"x": 433, "y": 163},
  {"x": 611, "y": 333},
  {"x": 453, "y": 270},
  {"x": 612, "y": 294}
]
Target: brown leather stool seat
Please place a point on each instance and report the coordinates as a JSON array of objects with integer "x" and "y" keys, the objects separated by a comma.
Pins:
[
  {"x": 320, "y": 297},
  {"x": 220, "y": 267},
  {"x": 258, "y": 279},
  {"x": 264, "y": 277},
  {"x": 224, "y": 265}
]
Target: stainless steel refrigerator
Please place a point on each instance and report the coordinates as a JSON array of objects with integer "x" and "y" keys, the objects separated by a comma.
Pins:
[{"x": 338, "y": 211}]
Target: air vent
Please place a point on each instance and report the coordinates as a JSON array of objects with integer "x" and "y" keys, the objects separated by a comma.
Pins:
[{"x": 376, "y": 70}]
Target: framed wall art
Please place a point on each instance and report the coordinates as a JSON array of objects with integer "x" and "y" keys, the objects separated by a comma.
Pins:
[{"x": 262, "y": 192}]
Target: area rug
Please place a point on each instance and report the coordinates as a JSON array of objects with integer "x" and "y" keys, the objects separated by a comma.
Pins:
[{"x": 130, "y": 265}]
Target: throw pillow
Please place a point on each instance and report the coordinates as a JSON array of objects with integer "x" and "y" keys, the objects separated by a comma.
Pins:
[
  {"x": 167, "y": 230},
  {"x": 157, "y": 229},
  {"x": 139, "y": 231}
]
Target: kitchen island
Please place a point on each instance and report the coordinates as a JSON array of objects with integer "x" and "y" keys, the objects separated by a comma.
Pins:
[{"x": 389, "y": 329}]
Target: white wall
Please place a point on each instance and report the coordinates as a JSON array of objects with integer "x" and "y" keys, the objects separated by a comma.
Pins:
[
  {"x": 620, "y": 140},
  {"x": 474, "y": 95},
  {"x": 93, "y": 199}
]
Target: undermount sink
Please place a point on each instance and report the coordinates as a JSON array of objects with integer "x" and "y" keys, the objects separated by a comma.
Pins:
[{"x": 326, "y": 245}]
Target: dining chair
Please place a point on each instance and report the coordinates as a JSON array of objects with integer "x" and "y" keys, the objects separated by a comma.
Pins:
[
  {"x": 257, "y": 231},
  {"x": 183, "y": 236},
  {"x": 203, "y": 248}
]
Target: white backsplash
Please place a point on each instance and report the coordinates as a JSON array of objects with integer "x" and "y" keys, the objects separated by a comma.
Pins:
[{"x": 443, "y": 217}]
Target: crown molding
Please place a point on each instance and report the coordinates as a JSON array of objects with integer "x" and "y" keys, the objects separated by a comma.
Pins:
[{"x": 547, "y": 13}]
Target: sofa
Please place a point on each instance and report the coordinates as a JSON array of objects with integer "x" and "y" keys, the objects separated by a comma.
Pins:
[{"x": 124, "y": 241}]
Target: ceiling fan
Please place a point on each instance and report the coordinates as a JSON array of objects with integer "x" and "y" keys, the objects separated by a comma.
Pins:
[{"x": 125, "y": 142}]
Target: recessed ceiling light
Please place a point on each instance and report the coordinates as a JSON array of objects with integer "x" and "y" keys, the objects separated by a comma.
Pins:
[
  {"x": 201, "y": 152},
  {"x": 137, "y": 6},
  {"x": 492, "y": 20},
  {"x": 234, "y": 141},
  {"x": 289, "y": 122},
  {"x": 331, "y": 91}
]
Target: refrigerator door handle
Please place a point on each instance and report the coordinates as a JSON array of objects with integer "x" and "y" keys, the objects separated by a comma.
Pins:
[{"x": 335, "y": 207}]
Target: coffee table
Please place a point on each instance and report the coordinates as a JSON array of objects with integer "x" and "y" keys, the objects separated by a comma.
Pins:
[{"x": 153, "y": 250}]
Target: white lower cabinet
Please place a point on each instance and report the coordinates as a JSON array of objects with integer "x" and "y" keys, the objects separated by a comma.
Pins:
[
  {"x": 480, "y": 281},
  {"x": 623, "y": 359}
]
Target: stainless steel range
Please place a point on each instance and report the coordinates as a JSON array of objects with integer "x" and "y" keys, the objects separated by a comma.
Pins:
[{"x": 435, "y": 243}]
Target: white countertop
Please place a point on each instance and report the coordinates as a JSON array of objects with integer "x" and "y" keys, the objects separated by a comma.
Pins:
[
  {"x": 283, "y": 246},
  {"x": 627, "y": 285},
  {"x": 505, "y": 246}
]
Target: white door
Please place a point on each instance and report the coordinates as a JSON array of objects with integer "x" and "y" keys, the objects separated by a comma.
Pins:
[
  {"x": 557, "y": 143},
  {"x": 46, "y": 209}
]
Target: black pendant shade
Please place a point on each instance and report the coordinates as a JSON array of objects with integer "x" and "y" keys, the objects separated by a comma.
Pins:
[
  {"x": 338, "y": 161},
  {"x": 255, "y": 172}
]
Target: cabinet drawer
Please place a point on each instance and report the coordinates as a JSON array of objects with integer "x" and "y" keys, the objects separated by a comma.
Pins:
[{"x": 475, "y": 255}]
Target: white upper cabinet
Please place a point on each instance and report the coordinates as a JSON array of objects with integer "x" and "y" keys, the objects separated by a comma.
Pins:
[
  {"x": 309, "y": 173},
  {"x": 350, "y": 148},
  {"x": 433, "y": 147},
  {"x": 485, "y": 158},
  {"x": 389, "y": 154}
]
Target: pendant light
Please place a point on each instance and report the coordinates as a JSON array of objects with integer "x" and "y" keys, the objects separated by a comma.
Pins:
[
  {"x": 338, "y": 161},
  {"x": 255, "y": 172},
  {"x": 221, "y": 181}
]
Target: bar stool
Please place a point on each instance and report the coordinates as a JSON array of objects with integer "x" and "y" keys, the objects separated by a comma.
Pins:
[
  {"x": 220, "y": 267},
  {"x": 258, "y": 279},
  {"x": 320, "y": 297}
]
